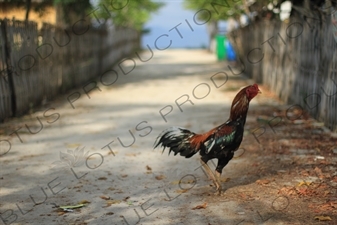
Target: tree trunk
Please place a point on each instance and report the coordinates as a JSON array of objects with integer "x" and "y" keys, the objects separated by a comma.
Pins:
[
  {"x": 212, "y": 28},
  {"x": 28, "y": 6}
]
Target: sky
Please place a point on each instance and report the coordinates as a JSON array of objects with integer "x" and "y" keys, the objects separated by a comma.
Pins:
[{"x": 172, "y": 16}]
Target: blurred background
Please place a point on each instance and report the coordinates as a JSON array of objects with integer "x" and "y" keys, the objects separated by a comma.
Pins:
[
  {"x": 173, "y": 14},
  {"x": 61, "y": 44}
]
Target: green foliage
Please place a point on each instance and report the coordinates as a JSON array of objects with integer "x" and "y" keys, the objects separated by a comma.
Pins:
[
  {"x": 215, "y": 10},
  {"x": 23, "y": 3},
  {"x": 79, "y": 7},
  {"x": 15, "y": 2},
  {"x": 65, "y": 1},
  {"x": 72, "y": 10},
  {"x": 128, "y": 13}
]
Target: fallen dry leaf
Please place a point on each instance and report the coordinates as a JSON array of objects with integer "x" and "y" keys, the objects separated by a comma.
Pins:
[
  {"x": 175, "y": 182},
  {"x": 124, "y": 175},
  {"x": 319, "y": 172},
  {"x": 104, "y": 197},
  {"x": 262, "y": 182},
  {"x": 181, "y": 191},
  {"x": 328, "y": 206},
  {"x": 160, "y": 177},
  {"x": 242, "y": 195},
  {"x": 111, "y": 202},
  {"x": 203, "y": 206},
  {"x": 246, "y": 196},
  {"x": 191, "y": 181},
  {"x": 102, "y": 178},
  {"x": 323, "y": 218},
  {"x": 84, "y": 202},
  {"x": 112, "y": 153},
  {"x": 73, "y": 145},
  {"x": 148, "y": 169},
  {"x": 307, "y": 183},
  {"x": 61, "y": 213},
  {"x": 306, "y": 192}
]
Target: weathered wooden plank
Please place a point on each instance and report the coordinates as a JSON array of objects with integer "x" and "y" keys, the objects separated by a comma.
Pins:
[
  {"x": 50, "y": 61},
  {"x": 299, "y": 62}
]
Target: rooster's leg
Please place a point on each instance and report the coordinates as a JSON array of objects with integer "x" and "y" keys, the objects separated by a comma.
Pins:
[
  {"x": 222, "y": 162},
  {"x": 210, "y": 174},
  {"x": 217, "y": 178}
]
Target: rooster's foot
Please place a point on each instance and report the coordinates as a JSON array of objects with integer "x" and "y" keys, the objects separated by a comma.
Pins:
[
  {"x": 218, "y": 192},
  {"x": 224, "y": 179}
]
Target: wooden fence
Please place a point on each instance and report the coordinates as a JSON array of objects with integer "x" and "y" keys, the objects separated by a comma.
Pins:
[
  {"x": 39, "y": 64},
  {"x": 297, "y": 59}
]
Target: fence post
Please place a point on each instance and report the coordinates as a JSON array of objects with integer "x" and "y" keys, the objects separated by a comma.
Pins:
[{"x": 9, "y": 67}]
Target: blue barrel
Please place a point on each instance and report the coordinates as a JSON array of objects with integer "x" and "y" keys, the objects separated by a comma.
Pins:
[{"x": 231, "y": 56}]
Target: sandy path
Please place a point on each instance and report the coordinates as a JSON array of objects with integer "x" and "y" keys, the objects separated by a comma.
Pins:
[{"x": 118, "y": 172}]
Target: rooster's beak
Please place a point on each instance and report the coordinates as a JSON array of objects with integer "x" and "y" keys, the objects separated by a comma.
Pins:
[{"x": 259, "y": 91}]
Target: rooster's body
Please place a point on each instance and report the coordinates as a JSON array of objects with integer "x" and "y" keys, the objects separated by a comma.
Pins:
[{"x": 220, "y": 142}]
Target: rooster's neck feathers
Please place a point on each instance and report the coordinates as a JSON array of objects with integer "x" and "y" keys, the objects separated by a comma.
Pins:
[{"x": 239, "y": 107}]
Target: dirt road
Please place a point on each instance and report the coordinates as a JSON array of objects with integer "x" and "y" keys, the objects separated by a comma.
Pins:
[{"x": 92, "y": 149}]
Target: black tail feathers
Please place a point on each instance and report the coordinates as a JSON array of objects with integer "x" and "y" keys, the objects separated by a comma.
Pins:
[{"x": 177, "y": 139}]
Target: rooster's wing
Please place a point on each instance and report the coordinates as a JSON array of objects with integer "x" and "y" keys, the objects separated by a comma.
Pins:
[{"x": 221, "y": 138}]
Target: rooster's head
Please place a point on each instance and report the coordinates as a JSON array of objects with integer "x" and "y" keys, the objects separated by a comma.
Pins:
[{"x": 252, "y": 91}]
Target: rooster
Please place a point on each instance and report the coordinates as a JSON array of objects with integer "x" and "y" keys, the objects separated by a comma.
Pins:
[{"x": 221, "y": 142}]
